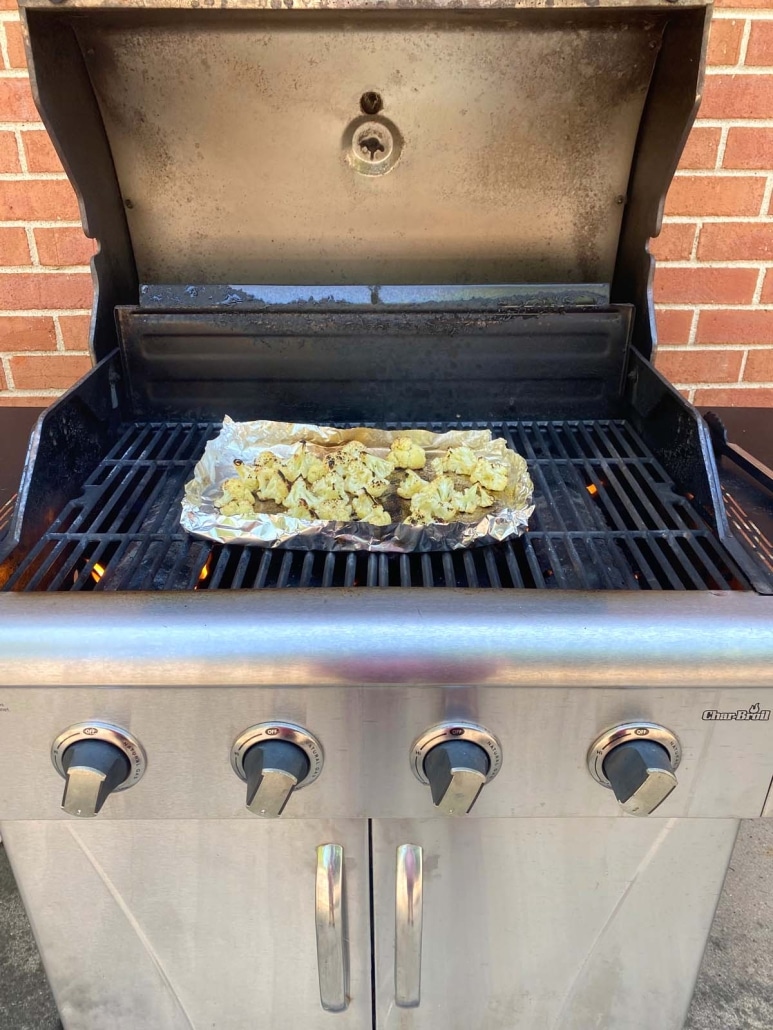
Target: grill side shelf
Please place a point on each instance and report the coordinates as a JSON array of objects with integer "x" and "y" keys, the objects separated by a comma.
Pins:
[{"x": 607, "y": 518}]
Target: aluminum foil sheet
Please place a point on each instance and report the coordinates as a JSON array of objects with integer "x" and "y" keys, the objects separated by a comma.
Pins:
[{"x": 273, "y": 527}]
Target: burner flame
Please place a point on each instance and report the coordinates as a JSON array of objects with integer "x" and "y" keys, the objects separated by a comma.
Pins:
[
  {"x": 593, "y": 489},
  {"x": 97, "y": 572}
]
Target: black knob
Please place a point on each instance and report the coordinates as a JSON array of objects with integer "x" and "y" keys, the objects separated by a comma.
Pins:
[
  {"x": 641, "y": 775},
  {"x": 93, "y": 770},
  {"x": 457, "y": 771},
  {"x": 273, "y": 769}
]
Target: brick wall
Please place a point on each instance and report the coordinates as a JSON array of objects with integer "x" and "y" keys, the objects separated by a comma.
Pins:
[{"x": 714, "y": 282}]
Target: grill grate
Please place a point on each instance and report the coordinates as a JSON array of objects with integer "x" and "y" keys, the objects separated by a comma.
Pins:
[{"x": 607, "y": 517}]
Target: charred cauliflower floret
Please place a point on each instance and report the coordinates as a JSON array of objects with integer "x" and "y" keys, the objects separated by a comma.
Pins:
[
  {"x": 301, "y": 510},
  {"x": 236, "y": 490},
  {"x": 489, "y": 474},
  {"x": 473, "y": 498},
  {"x": 270, "y": 485},
  {"x": 353, "y": 450},
  {"x": 334, "y": 511},
  {"x": 460, "y": 460},
  {"x": 363, "y": 505},
  {"x": 379, "y": 517},
  {"x": 300, "y": 493},
  {"x": 436, "y": 501},
  {"x": 405, "y": 454},
  {"x": 330, "y": 487},
  {"x": 382, "y": 468},
  {"x": 410, "y": 485},
  {"x": 378, "y": 487},
  {"x": 357, "y": 478}
]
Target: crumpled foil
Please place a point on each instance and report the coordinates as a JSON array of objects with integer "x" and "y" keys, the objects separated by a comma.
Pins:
[{"x": 244, "y": 441}]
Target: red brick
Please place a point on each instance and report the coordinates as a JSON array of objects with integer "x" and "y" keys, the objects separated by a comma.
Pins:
[
  {"x": 674, "y": 243},
  {"x": 33, "y": 332},
  {"x": 734, "y": 397},
  {"x": 41, "y": 199},
  {"x": 736, "y": 241},
  {"x": 760, "y": 50},
  {"x": 746, "y": 327},
  {"x": 16, "y": 103},
  {"x": 725, "y": 41},
  {"x": 13, "y": 400},
  {"x": 14, "y": 248},
  {"x": 673, "y": 326},
  {"x": 9, "y": 153},
  {"x": 704, "y": 285},
  {"x": 715, "y": 195},
  {"x": 701, "y": 148},
  {"x": 759, "y": 366},
  {"x": 75, "y": 331},
  {"x": 30, "y": 292},
  {"x": 65, "y": 246},
  {"x": 49, "y": 372},
  {"x": 697, "y": 366},
  {"x": 17, "y": 57},
  {"x": 8, "y": 5},
  {"x": 749, "y": 148},
  {"x": 41, "y": 156},
  {"x": 737, "y": 96}
]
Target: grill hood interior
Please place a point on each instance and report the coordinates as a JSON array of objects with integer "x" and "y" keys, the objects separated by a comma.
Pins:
[{"x": 215, "y": 145}]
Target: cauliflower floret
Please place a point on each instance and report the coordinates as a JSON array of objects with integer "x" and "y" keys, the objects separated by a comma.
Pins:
[
  {"x": 436, "y": 501},
  {"x": 382, "y": 468},
  {"x": 270, "y": 486},
  {"x": 236, "y": 490},
  {"x": 405, "y": 454},
  {"x": 411, "y": 485},
  {"x": 292, "y": 467},
  {"x": 300, "y": 493},
  {"x": 237, "y": 508},
  {"x": 363, "y": 505},
  {"x": 490, "y": 475},
  {"x": 378, "y": 487},
  {"x": 313, "y": 469},
  {"x": 357, "y": 478},
  {"x": 352, "y": 450},
  {"x": 266, "y": 459},
  {"x": 300, "y": 510},
  {"x": 473, "y": 498},
  {"x": 330, "y": 487},
  {"x": 334, "y": 511},
  {"x": 460, "y": 460},
  {"x": 379, "y": 517}
]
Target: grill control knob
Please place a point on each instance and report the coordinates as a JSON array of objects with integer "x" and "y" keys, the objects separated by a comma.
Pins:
[
  {"x": 275, "y": 759},
  {"x": 95, "y": 759},
  {"x": 456, "y": 759},
  {"x": 641, "y": 775},
  {"x": 637, "y": 760},
  {"x": 456, "y": 772},
  {"x": 93, "y": 771},
  {"x": 273, "y": 769}
]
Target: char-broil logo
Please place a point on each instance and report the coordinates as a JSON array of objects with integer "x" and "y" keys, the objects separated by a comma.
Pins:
[{"x": 752, "y": 714}]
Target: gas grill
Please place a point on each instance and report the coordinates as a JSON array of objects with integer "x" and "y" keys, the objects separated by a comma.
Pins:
[{"x": 441, "y": 752}]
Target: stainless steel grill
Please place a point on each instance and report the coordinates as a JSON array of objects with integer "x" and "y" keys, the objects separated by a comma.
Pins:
[{"x": 607, "y": 517}]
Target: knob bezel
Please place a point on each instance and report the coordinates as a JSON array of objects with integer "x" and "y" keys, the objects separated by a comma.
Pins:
[
  {"x": 109, "y": 733},
  {"x": 624, "y": 733},
  {"x": 459, "y": 729},
  {"x": 279, "y": 731}
]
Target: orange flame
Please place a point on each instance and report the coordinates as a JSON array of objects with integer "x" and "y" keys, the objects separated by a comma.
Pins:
[
  {"x": 593, "y": 489},
  {"x": 97, "y": 572}
]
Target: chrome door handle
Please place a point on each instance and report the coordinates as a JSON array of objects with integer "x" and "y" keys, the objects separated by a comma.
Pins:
[
  {"x": 331, "y": 939},
  {"x": 409, "y": 907}
]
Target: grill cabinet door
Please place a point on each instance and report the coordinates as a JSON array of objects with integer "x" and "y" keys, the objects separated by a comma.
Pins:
[
  {"x": 547, "y": 924},
  {"x": 168, "y": 925}
]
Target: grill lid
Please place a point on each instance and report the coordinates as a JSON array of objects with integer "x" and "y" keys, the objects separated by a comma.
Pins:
[{"x": 381, "y": 146}]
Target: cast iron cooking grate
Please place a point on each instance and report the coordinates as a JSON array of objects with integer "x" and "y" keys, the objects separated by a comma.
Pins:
[{"x": 607, "y": 517}]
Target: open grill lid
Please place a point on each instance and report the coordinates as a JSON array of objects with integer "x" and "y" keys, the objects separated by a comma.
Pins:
[{"x": 245, "y": 144}]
